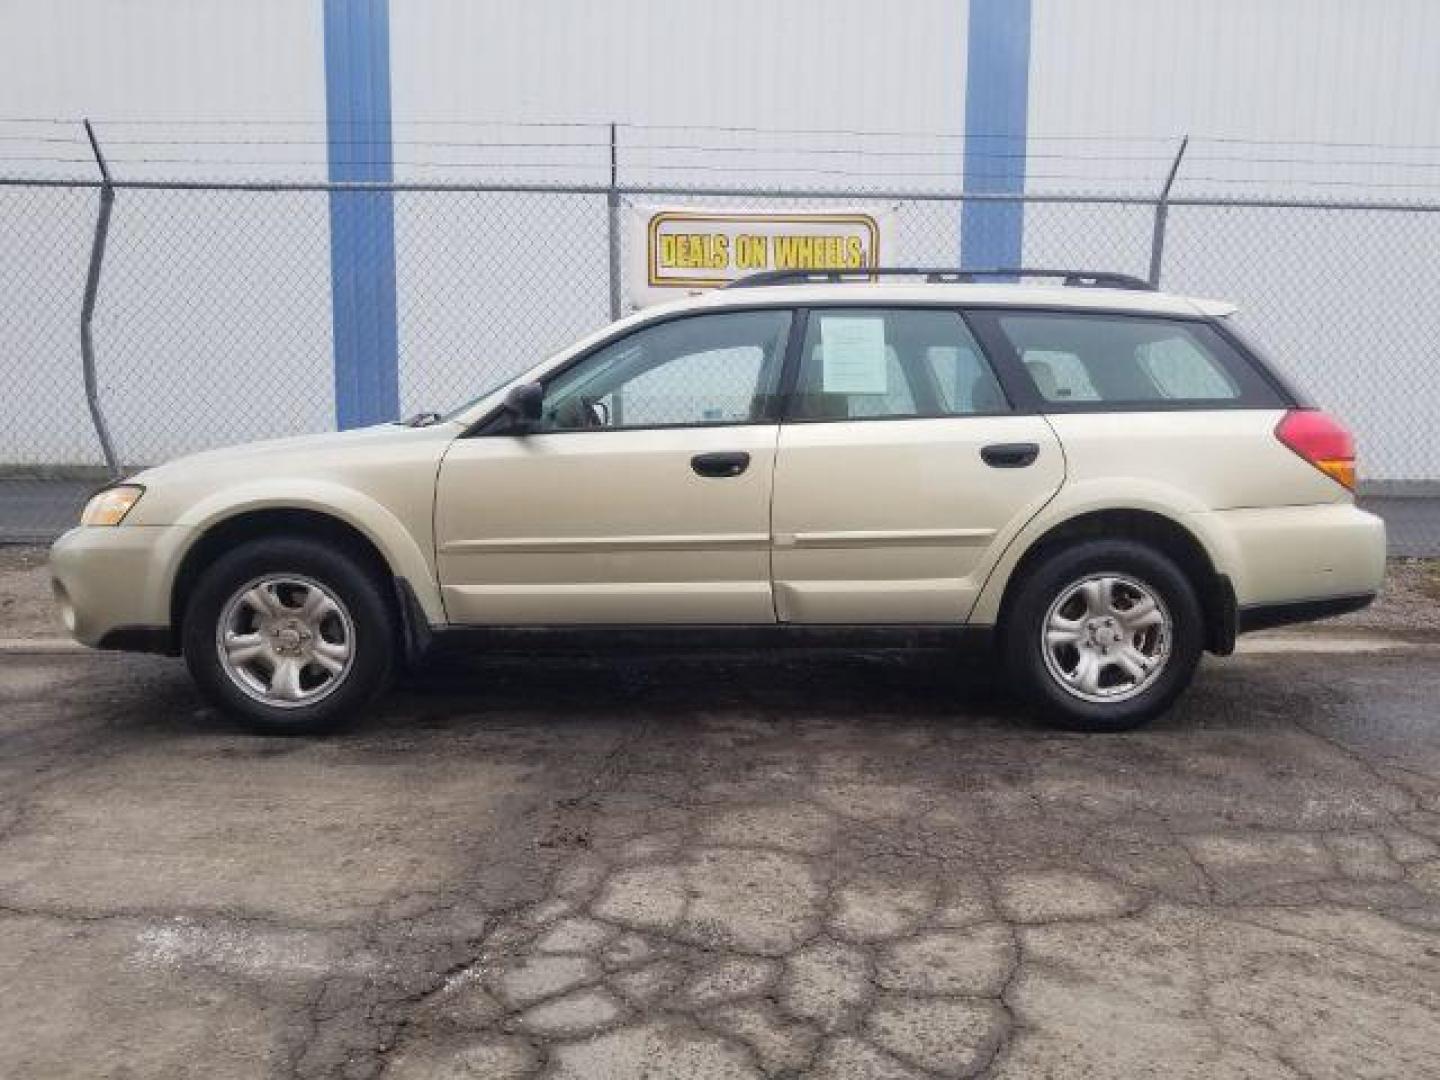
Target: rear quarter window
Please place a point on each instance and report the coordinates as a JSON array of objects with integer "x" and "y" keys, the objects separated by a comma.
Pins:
[{"x": 1084, "y": 361}]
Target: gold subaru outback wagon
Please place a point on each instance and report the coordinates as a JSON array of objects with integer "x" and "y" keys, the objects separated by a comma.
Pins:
[{"x": 1100, "y": 480}]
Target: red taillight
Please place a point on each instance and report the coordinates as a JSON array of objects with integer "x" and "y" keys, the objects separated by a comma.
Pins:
[{"x": 1321, "y": 441}]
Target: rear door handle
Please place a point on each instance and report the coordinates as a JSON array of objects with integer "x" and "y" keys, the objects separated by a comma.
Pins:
[
  {"x": 721, "y": 464},
  {"x": 1010, "y": 455}
]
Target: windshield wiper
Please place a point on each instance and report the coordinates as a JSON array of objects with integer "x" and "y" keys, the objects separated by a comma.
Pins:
[{"x": 421, "y": 419}]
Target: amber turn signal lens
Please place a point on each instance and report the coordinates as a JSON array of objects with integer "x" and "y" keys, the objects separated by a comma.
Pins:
[
  {"x": 110, "y": 506},
  {"x": 1342, "y": 471}
]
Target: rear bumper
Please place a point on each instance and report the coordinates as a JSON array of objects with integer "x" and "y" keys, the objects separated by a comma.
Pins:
[{"x": 1298, "y": 557}]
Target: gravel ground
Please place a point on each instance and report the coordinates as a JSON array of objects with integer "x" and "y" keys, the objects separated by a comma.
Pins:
[
  {"x": 1410, "y": 600},
  {"x": 26, "y": 607}
]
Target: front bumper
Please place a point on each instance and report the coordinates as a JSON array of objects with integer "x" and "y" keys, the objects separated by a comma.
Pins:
[{"x": 112, "y": 584}]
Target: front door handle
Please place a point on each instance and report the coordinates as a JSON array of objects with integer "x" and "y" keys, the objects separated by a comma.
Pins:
[
  {"x": 721, "y": 464},
  {"x": 1010, "y": 455}
]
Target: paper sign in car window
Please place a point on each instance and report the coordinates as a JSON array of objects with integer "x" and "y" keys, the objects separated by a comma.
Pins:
[{"x": 853, "y": 355}]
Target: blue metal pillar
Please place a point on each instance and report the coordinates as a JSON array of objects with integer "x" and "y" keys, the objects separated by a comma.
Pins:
[
  {"x": 362, "y": 223},
  {"x": 997, "y": 91}
]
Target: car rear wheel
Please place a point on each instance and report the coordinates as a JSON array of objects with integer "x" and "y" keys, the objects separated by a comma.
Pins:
[
  {"x": 291, "y": 636},
  {"x": 1103, "y": 635}
]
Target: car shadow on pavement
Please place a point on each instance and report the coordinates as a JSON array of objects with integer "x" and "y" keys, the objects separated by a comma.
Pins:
[
  {"x": 790, "y": 684},
  {"x": 459, "y": 692}
]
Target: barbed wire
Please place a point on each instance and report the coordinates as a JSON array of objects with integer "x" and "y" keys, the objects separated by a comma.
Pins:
[
  {"x": 975, "y": 158},
  {"x": 629, "y": 147},
  {"x": 718, "y": 148},
  {"x": 631, "y": 125}
]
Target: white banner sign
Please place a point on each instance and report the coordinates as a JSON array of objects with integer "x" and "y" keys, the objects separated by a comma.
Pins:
[{"x": 675, "y": 251}]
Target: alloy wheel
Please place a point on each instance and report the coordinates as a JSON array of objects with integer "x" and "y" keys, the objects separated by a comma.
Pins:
[
  {"x": 285, "y": 640},
  {"x": 1106, "y": 637}
]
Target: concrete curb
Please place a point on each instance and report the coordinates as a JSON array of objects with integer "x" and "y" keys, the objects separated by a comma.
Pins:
[{"x": 40, "y": 645}]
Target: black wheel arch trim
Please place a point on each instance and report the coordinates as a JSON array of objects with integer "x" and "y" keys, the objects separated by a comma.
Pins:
[
  {"x": 1224, "y": 624},
  {"x": 416, "y": 634}
]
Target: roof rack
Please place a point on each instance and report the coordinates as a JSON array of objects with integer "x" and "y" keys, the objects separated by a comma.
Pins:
[{"x": 1082, "y": 279}]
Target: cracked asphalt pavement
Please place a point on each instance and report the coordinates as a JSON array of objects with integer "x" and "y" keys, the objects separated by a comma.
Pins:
[{"x": 783, "y": 864}]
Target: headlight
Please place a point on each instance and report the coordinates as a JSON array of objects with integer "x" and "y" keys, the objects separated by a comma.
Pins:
[{"x": 110, "y": 506}]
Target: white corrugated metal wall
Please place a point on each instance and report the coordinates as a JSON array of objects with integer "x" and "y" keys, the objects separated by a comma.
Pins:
[
  {"x": 749, "y": 63},
  {"x": 1359, "y": 71}
]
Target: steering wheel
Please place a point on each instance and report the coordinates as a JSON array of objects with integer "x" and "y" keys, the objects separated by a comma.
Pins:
[
  {"x": 580, "y": 413},
  {"x": 594, "y": 412}
]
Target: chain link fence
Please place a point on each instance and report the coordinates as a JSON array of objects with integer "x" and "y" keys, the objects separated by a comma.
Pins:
[{"x": 213, "y": 317}]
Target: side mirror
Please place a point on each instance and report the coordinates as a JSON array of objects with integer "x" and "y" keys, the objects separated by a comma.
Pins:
[{"x": 523, "y": 407}]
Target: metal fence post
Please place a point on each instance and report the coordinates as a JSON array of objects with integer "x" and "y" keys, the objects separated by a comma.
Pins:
[
  {"x": 612, "y": 200},
  {"x": 1162, "y": 215},
  {"x": 87, "y": 306}
]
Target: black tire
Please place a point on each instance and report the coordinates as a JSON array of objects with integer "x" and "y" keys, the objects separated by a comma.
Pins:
[
  {"x": 1043, "y": 584},
  {"x": 369, "y": 672}
]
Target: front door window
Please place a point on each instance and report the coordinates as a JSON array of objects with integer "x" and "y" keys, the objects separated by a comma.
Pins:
[{"x": 699, "y": 370}]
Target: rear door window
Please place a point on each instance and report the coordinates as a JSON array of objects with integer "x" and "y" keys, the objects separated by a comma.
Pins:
[
  {"x": 1059, "y": 376},
  {"x": 1079, "y": 360},
  {"x": 895, "y": 363}
]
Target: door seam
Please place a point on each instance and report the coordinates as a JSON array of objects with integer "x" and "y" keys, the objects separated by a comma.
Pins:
[
  {"x": 770, "y": 523},
  {"x": 999, "y": 558}
]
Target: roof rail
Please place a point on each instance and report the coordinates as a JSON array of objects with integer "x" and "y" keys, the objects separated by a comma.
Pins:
[{"x": 1084, "y": 279}]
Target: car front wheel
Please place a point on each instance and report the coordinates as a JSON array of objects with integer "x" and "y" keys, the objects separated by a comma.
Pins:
[
  {"x": 289, "y": 635},
  {"x": 1103, "y": 635}
]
